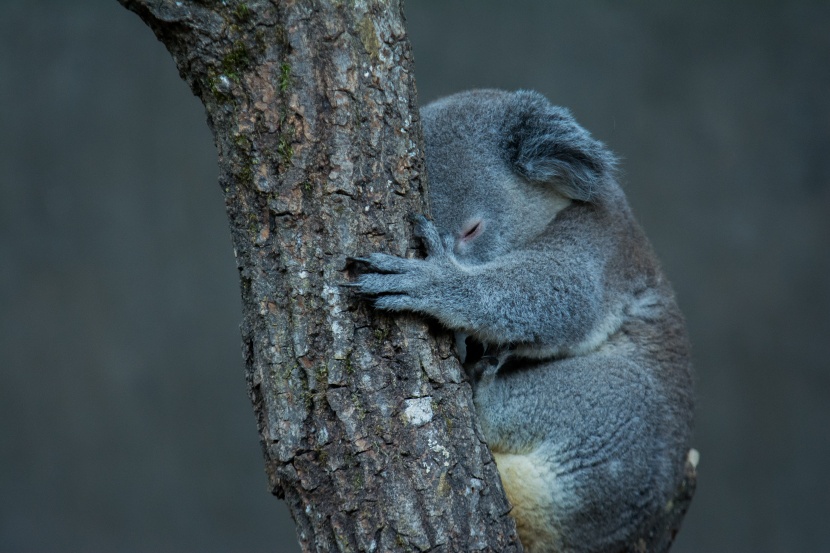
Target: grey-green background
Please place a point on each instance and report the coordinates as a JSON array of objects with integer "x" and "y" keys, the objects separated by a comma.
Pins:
[{"x": 125, "y": 425}]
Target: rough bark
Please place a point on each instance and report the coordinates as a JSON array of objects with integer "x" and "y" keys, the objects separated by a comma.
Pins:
[{"x": 366, "y": 424}]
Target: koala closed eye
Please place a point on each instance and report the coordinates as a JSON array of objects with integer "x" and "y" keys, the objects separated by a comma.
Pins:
[{"x": 472, "y": 230}]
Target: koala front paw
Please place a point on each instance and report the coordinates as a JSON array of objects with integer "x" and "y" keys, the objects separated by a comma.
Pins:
[
  {"x": 394, "y": 283},
  {"x": 400, "y": 284}
]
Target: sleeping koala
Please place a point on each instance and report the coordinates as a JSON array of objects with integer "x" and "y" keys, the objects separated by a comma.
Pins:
[{"x": 570, "y": 333}]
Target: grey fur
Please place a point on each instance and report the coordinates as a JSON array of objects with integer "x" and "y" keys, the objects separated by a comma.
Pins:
[{"x": 586, "y": 364}]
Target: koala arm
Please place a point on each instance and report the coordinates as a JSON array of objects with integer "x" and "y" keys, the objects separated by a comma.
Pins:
[{"x": 546, "y": 300}]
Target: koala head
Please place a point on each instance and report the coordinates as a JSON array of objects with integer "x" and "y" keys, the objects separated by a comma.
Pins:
[{"x": 502, "y": 164}]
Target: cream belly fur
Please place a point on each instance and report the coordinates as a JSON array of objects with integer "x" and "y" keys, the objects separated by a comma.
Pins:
[{"x": 528, "y": 483}]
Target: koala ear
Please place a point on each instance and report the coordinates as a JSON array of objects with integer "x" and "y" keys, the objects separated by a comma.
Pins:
[{"x": 546, "y": 145}]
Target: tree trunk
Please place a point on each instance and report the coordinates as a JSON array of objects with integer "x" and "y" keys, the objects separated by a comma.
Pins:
[{"x": 366, "y": 423}]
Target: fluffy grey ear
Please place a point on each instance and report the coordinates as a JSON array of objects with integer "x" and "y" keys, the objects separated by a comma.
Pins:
[{"x": 546, "y": 145}]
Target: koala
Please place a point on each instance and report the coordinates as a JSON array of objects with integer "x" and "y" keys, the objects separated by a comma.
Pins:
[{"x": 573, "y": 342}]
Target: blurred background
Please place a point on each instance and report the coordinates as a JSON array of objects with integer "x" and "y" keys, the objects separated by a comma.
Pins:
[{"x": 124, "y": 419}]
